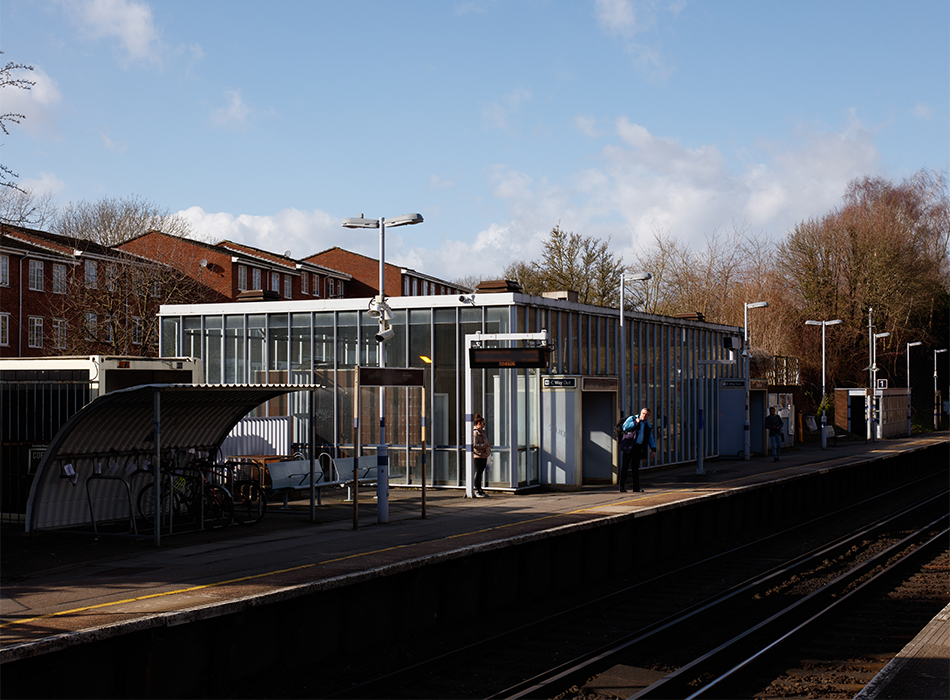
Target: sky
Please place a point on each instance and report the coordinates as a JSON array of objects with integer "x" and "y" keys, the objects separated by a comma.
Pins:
[{"x": 269, "y": 123}]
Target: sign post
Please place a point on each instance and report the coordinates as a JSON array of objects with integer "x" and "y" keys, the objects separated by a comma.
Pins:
[{"x": 386, "y": 377}]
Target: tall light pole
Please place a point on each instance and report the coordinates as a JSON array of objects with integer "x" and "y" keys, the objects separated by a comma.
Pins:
[
  {"x": 624, "y": 278},
  {"x": 936, "y": 400},
  {"x": 385, "y": 333},
  {"x": 909, "y": 346},
  {"x": 746, "y": 428},
  {"x": 875, "y": 412},
  {"x": 823, "y": 324}
]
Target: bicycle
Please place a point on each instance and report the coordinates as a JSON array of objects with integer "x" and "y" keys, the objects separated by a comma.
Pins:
[
  {"x": 187, "y": 493},
  {"x": 250, "y": 502}
]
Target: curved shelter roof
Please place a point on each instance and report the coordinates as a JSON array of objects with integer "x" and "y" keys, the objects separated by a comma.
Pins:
[{"x": 113, "y": 438}]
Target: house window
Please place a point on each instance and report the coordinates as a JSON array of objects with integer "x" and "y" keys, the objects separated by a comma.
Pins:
[
  {"x": 36, "y": 275},
  {"x": 107, "y": 322},
  {"x": 288, "y": 286},
  {"x": 256, "y": 279},
  {"x": 415, "y": 287},
  {"x": 91, "y": 326},
  {"x": 137, "y": 330},
  {"x": 303, "y": 283},
  {"x": 36, "y": 332},
  {"x": 4, "y": 270},
  {"x": 242, "y": 278},
  {"x": 59, "y": 279},
  {"x": 275, "y": 282},
  {"x": 59, "y": 333},
  {"x": 112, "y": 276},
  {"x": 316, "y": 286},
  {"x": 4, "y": 329},
  {"x": 405, "y": 286},
  {"x": 339, "y": 289},
  {"x": 330, "y": 290},
  {"x": 92, "y": 275}
]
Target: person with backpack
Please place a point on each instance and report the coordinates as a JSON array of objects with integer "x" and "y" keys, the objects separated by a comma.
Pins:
[{"x": 637, "y": 439}]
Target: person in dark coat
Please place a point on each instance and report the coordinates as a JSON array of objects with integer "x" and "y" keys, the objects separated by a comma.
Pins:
[
  {"x": 481, "y": 450},
  {"x": 637, "y": 439},
  {"x": 774, "y": 424}
]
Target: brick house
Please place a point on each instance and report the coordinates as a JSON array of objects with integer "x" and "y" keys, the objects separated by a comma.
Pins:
[
  {"x": 69, "y": 296},
  {"x": 400, "y": 281},
  {"x": 232, "y": 271}
]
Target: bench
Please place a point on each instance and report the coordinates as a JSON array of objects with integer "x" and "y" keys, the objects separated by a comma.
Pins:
[
  {"x": 831, "y": 435},
  {"x": 294, "y": 475}
]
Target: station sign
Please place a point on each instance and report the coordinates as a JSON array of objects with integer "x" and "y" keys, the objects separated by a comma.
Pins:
[
  {"x": 509, "y": 358},
  {"x": 391, "y": 376},
  {"x": 559, "y": 382}
]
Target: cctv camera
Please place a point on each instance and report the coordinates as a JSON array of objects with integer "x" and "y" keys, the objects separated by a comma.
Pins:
[{"x": 385, "y": 335}]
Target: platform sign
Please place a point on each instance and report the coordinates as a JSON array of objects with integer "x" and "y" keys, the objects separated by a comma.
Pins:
[
  {"x": 509, "y": 358},
  {"x": 391, "y": 376}
]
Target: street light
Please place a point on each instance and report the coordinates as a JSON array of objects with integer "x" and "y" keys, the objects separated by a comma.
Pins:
[
  {"x": 624, "y": 278},
  {"x": 823, "y": 324},
  {"x": 936, "y": 400},
  {"x": 909, "y": 346},
  {"x": 384, "y": 334},
  {"x": 747, "y": 434}
]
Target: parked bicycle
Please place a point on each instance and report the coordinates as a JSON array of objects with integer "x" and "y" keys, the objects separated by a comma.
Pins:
[
  {"x": 250, "y": 502},
  {"x": 188, "y": 493}
]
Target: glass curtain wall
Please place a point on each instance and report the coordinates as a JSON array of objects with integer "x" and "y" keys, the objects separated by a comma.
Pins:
[{"x": 663, "y": 370}]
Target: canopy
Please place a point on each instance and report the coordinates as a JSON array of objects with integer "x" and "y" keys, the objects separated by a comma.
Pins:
[{"x": 112, "y": 439}]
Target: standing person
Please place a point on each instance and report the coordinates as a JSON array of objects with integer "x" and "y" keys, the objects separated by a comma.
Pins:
[
  {"x": 637, "y": 439},
  {"x": 481, "y": 449},
  {"x": 774, "y": 424}
]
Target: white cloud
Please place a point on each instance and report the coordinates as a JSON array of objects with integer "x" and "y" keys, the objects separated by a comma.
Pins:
[
  {"x": 923, "y": 111},
  {"x": 303, "y": 233},
  {"x": 438, "y": 183},
  {"x": 498, "y": 114},
  {"x": 587, "y": 125},
  {"x": 37, "y": 105},
  {"x": 128, "y": 23},
  {"x": 644, "y": 182},
  {"x": 635, "y": 22},
  {"x": 234, "y": 115},
  {"x": 47, "y": 183},
  {"x": 112, "y": 145}
]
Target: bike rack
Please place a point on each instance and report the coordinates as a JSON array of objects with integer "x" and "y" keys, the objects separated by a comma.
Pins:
[{"x": 128, "y": 491}]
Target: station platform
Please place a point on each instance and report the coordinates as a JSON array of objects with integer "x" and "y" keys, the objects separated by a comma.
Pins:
[{"x": 61, "y": 590}]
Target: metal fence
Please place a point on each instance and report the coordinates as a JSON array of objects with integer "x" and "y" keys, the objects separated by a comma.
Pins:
[{"x": 31, "y": 413}]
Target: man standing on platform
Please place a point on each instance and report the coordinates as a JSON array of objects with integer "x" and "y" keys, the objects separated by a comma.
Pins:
[
  {"x": 637, "y": 438},
  {"x": 774, "y": 424}
]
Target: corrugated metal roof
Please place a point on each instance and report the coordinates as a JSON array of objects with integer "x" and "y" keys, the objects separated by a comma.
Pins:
[{"x": 114, "y": 434}]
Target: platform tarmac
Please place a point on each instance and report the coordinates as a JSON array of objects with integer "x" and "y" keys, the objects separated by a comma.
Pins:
[{"x": 60, "y": 589}]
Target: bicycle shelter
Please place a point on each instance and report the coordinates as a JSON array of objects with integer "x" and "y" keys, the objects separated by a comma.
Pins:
[{"x": 115, "y": 443}]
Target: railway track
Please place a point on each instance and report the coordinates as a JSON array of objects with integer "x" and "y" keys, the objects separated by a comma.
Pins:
[{"x": 666, "y": 626}]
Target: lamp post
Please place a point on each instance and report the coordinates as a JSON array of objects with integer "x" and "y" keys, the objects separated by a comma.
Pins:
[
  {"x": 875, "y": 412},
  {"x": 909, "y": 346},
  {"x": 624, "y": 278},
  {"x": 823, "y": 324},
  {"x": 384, "y": 334},
  {"x": 746, "y": 430},
  {"x": 936, "y": 400}
]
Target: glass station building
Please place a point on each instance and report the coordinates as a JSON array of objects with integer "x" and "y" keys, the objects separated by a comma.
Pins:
[{"x": 550, "y": 427}]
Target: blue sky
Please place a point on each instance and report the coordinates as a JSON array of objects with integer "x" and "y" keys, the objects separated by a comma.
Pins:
[{"x": 268, "y": 123}]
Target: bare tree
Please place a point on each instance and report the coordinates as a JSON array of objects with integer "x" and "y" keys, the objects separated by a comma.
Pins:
[
  {"x": 884, "y": 249},
  {"x": 21, "y": 207},
  {"x": 570, "y": 261},
  {"x": 9, "y": 79},
  {"x": 112, "y": 220},
  {"x": 115, "y": 311}
]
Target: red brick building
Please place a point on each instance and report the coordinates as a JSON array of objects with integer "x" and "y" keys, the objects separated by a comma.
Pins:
[
  {"x": 400, "y": 281},
  {"x": 69, "y": 296},
  {"x": 232, "y": 271}
]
